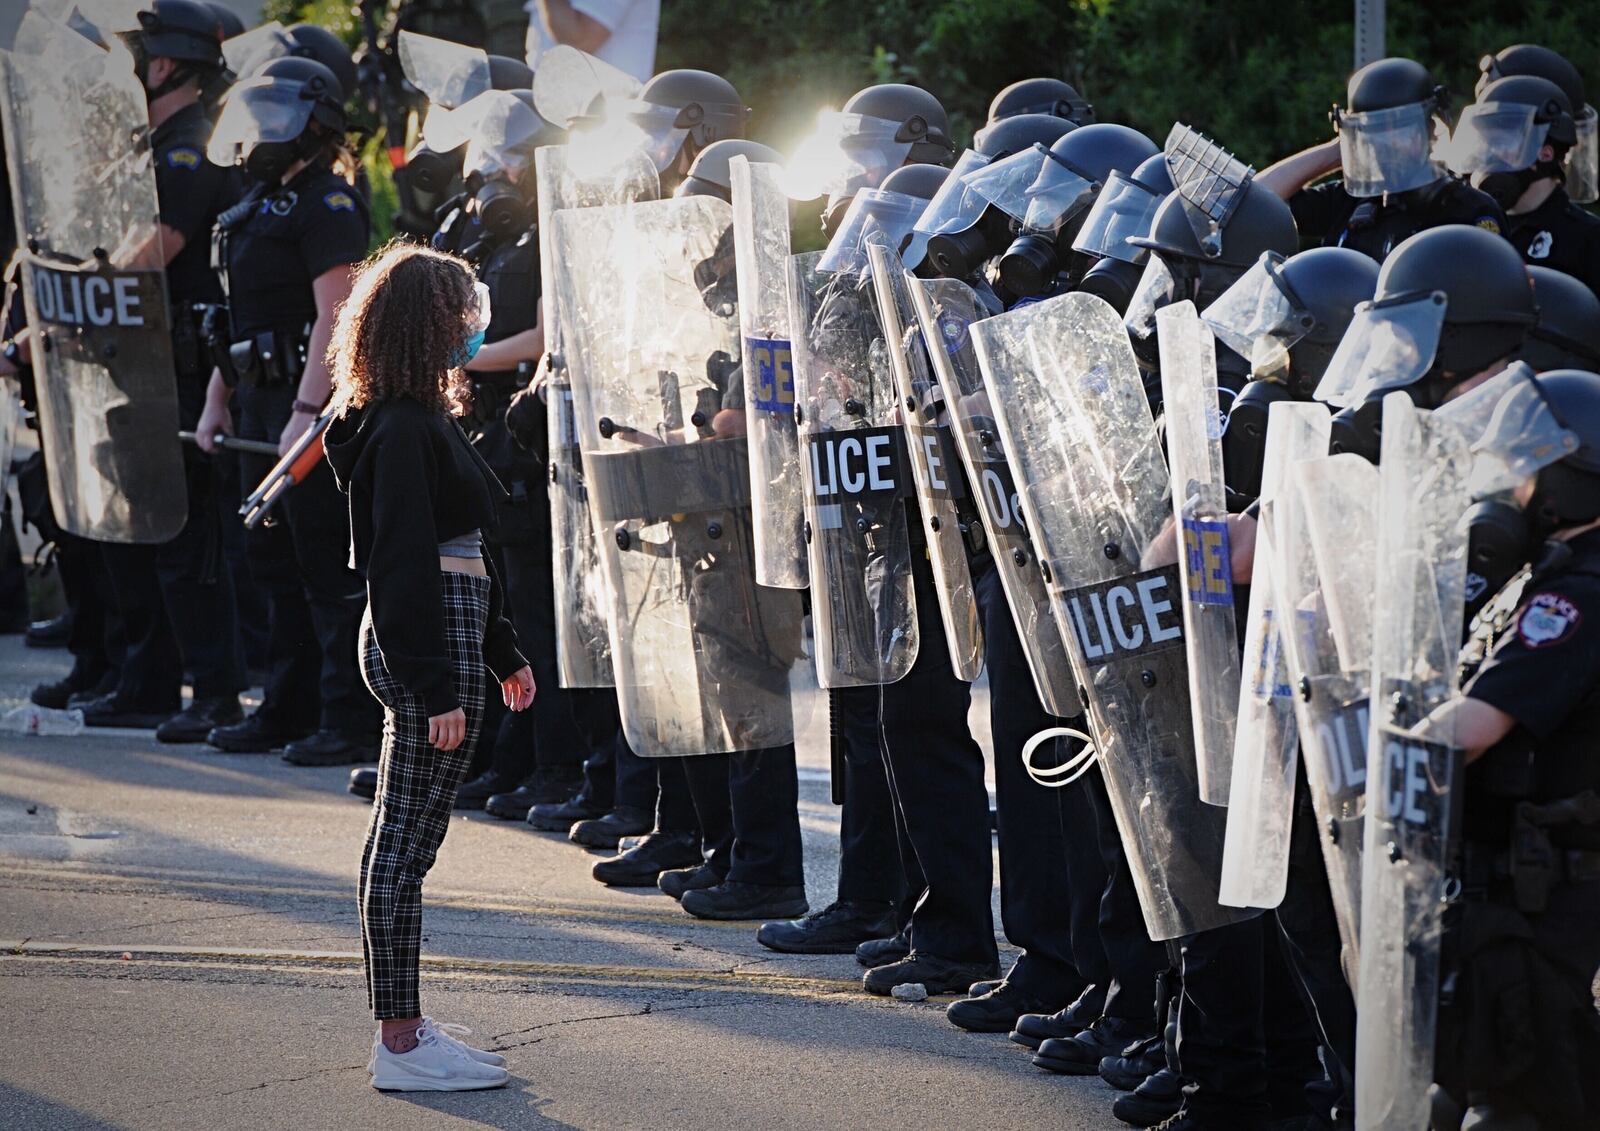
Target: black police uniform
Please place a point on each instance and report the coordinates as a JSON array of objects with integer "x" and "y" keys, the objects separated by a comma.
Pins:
[
  {"x": 1051, "y": 874},
  {"x": 176, "y": 600},
  {"x": 747, "y": 804},
  {"x": 1560, "y": 235},
  {"x": 1375, "y": 226},
  {"x": 1521, "y": 1021},
  {"x": 287, "y": 237}
]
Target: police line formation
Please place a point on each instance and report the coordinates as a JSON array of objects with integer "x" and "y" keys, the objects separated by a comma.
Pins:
[{"x": 1283, "y": 564}]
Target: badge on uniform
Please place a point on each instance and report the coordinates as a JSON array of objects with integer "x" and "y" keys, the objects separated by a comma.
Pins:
[
  {"x": 1539, "y": 247},
  {"x": 183, "y": 157},
  {"x": 1489, "y": 224},
  {"x": 339, "y": 201},
  {"x": 1547, "y": 618}
]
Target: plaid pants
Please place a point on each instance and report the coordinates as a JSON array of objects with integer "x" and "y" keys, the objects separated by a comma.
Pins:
[{"x": 416, "y": 791}]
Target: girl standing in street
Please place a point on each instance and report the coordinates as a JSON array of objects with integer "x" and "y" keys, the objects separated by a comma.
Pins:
[{"x": 420, "y": 498}]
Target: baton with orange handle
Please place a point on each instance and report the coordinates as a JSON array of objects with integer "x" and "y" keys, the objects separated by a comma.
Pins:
[{"x": 297, "y": 463}]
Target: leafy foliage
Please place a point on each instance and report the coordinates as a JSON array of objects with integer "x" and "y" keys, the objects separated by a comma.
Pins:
[{"x": 1258, "y": 75}]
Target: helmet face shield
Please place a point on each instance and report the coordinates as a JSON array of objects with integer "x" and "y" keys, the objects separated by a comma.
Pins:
[
  {"x": 258, "y": 110},
  {"x": 449, "y": 74},
  {"x": 1123, "y": 208},
  {"x": 1583, "y": 159},
  {"x": 244, "y": 53},
  {"x": 1496, "y": 137},
  {"x": 1388, "y": 345},
  {"x": 1511, "y": 428},
  {"x": 1156, "y": 289},
  {"x": 1258, "y": 318},
  {"x": 497, "y": 127},
  {"x": 845, "y": 153},
  {"x": 1389, "y": 150},
  {"x": 874, "y": 214},
  {"x": 1033, "y": 188}
]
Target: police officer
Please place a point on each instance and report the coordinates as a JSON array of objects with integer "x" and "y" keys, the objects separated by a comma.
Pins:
[
  {"x": 176, "y": 601},
  {"x": 285, "y": 255},
  {"x": 909, "y": 760},
  {"x": 1513, "y": 143},
  {"x": 1391, "y": 187},
  {"x": 680, "y": 113},
  {"x": 1037, "y": 96},
  {"x": 1517, "y": 1040},
  {"x": 1488, "y": 308},
  {"x": 1583, "y": 159},
  {"x": 747, "y": 803}
]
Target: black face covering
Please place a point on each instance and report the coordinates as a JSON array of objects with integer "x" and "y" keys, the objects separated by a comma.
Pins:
[
  {"x": 501, "y": 208},
  {"x": 1507, "y": 188},
  {"x": 1500, "y": 541},
  {"x": 268, "y": 161},
  {"x": 1113, "y": 280}
]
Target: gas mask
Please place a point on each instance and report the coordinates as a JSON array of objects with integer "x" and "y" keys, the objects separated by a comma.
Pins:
[{"x": 501, "y": 208}]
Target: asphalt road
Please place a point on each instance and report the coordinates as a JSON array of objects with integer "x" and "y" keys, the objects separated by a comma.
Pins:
[{"x": 179, "y": 949}]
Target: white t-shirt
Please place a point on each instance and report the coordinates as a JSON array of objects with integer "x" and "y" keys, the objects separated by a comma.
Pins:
[{"x": 633, "y": 25}]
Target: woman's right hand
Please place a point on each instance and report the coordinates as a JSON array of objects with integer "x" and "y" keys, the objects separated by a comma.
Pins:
[
  {"x": 214, "y": 418},
  {"x": 447, "y": 731}
]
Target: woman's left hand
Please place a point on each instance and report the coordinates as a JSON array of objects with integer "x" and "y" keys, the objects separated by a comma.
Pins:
[
  {"x": 518, "y": 690},
  {"x": 292, "y": 431}
]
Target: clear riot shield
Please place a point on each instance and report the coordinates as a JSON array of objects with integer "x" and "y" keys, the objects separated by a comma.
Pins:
[
  {"x": 951, "y": 316},
  {"x": 702, "y": 655},
  {"x": 1412, "y": 760},
  {"x": 935, "y": 468},
  {"x": 761, "y": 253},
  {"x": 1324, "y": 539},
  {"x": 852, "y": 457},
  {"x": 1200, "y": 512},
  {"x": 1266, "y": 748},
  {"x": 583, "y": 642},
  {"x": 77, "y": 145},
  {"x": 1096, "y": 493}
]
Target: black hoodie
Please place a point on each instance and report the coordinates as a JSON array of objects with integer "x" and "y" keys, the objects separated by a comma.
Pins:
[{"x": 414, "y": 481}]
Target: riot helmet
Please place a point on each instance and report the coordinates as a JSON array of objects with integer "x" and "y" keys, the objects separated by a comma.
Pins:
[
  {"x": 1567, "y": 335},
  {"x": 1387, "y": 128},
  {"x": 682, "y": 107},
  {"x": 1013, "y": 135},
  {"x": 288, "y": 111},
  {"x": 506, "y": 73},
  {"x": 925, "y": 182},
  {"x": 1256, "y": 221},
  {"x": 1039, "y": 96},
  {"x": 709, "y": 175},
  {"x": 1499, "y": 138},
  {"x": 1125, "y": 207},
  {"x": 1287, "y": 315},
  {"x": 185, "y": 31},
  {"x": 880, "y": 128},
  {"x": 1583, "y": 158},
  {"x": 312, "y": 41},
  {"x": 498, "y": 157},
  {"x": 1073, "y": 170},
  {"x": 227, "y": 19},
  {"x": 429, "y": 169},
  {"x": 1451, "y": 302}
]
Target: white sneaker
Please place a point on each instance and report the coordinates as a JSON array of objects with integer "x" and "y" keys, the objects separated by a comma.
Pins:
[
  {"x": 447, "y": 1032},
  {"x": 437, "y": 1064},
  {"x": 455, "y": 1034}
]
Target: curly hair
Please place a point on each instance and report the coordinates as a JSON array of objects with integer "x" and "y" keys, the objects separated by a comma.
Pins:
[{"x": 400, "y": 332}]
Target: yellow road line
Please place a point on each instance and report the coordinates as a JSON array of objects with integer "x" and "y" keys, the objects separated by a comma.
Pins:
[{"x": 436, "y": 966}]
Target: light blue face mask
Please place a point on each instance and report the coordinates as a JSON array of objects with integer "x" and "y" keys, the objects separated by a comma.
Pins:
[{"x": 468, "y": 349}]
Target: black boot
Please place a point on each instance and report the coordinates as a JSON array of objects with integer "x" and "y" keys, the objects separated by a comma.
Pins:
[
  {"x": 109, "y": 711},
  {"x": 730, "y": 900},
  {"x": 560, "y": 818},
  {"x": 837, "y": 929},
  {"x": 255, "y": 735},
  {"x": 199, "y": 719},
  {"x": 1033, "y": 1029},
  {"x": 995, "y": 1011},
  {"x": 1134, "y": 1064},
  {"x": 881, "y": 952},
  {"x": 1081, "y": 1053},
  {"x": 935, "y": 974},
  {"x": 473, "y": 794},
  {"x": 52, "y": 633},
  {"x": 364, "y": 782},
  {"x": 642, "y": 865},
  {"x": 680, "y": 881},
  {"x": 605, "y": 831},
  {"x": 1156, "y": 1098}
]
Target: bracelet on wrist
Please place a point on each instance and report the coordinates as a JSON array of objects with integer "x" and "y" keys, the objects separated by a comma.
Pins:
[{"x": 306, "y": 407}]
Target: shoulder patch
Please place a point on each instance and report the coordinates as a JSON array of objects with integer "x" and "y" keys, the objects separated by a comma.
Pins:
[
  {"x": 1547, "y": 618},
  {"x": 1488, "y": 224},
  {"x": 183, "y": 157},
  {"x": 339, "y": 201}
]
